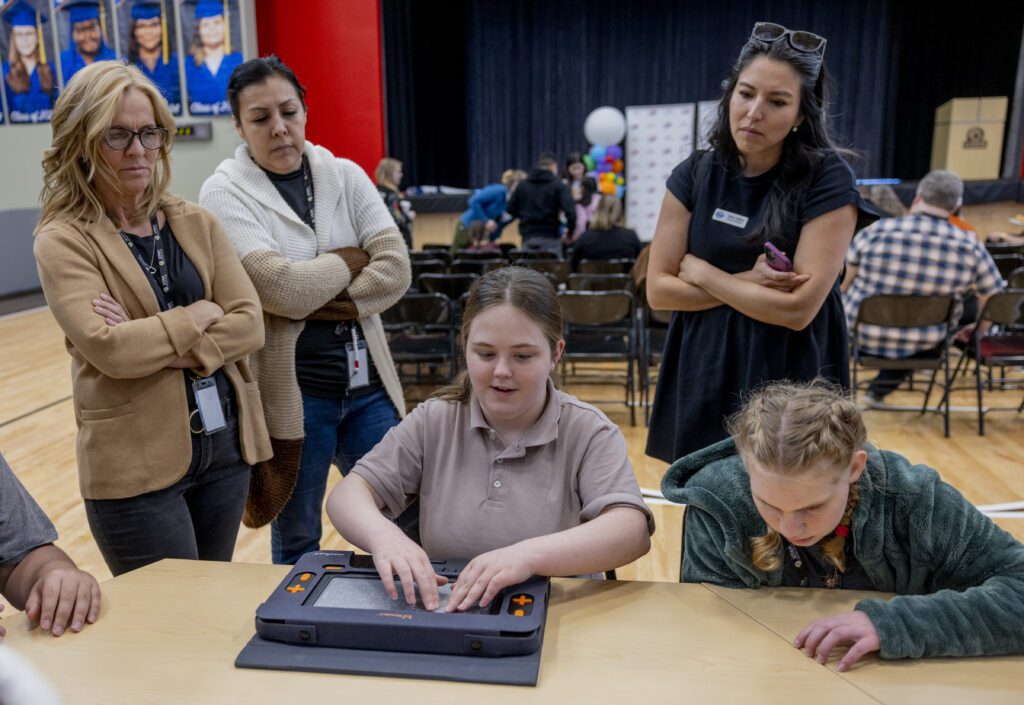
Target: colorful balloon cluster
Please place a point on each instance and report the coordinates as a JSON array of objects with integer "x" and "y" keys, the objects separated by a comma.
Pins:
[{"x": 605, "y": 164}]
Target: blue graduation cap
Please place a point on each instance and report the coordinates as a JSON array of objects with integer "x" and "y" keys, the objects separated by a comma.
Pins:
[
  {"x": 82, "y": 10},
  {"x": 146, "y": 9},
  {"x": 21, "y": 14},
  {"x": 209, "y": 8}
]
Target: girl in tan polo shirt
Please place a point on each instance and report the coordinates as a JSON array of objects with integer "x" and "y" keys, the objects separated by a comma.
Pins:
[{"x": 510, "y": 472}]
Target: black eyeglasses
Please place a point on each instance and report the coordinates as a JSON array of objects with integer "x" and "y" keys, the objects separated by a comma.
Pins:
[
  {"x": 807, "y": 42},
  {"x": 150, "y": 137}
]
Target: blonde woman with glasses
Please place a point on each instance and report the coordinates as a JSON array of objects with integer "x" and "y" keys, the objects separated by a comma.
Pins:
[{"x": 159, "y": 318}]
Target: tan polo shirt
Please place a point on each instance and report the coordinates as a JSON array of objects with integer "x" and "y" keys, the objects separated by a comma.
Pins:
[{"x": 477, "y": 495}]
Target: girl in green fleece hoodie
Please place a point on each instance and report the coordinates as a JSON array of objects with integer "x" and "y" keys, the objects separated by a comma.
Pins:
[{"x": 797, "y": 498}]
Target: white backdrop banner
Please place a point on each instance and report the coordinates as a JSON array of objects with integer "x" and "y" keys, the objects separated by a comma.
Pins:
[{"x": 659, "y": 137}]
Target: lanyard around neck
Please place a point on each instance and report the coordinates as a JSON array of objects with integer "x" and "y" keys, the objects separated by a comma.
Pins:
[{"x": 163, "y": 281}]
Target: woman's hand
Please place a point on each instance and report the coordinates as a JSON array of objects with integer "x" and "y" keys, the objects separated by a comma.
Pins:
[
  {"x": 204, "y": 313},
  {"x": 111, "y": 311},
  {"x": 855, "y": 628},
  {"x": 486, "y": 575},
  {"x": 397, "y": 554},
  {"x": 764, "y": 275},
  {"x": 690, "y": 268}
]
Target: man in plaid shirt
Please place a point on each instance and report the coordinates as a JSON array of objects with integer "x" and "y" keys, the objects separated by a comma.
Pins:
[{"x": 923, "y": 254}]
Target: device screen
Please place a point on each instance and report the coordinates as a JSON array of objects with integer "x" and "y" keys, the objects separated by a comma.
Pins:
[{"x": 369, "y": 594}]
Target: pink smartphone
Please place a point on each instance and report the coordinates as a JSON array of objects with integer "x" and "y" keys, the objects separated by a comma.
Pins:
[{"x": 777, "y": 259}]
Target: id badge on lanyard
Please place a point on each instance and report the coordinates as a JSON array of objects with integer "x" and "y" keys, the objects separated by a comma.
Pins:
[
  {"x": 358, "y": 361},
  {"x": 211, "y": 413}
]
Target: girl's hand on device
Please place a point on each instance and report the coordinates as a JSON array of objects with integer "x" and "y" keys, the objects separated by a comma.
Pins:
[
  {"x": 399, "y": 555},
  {"x": 773, "y": 279},
  {"x": 486, "y": 575},
  {"x": 854, "y": 628}
]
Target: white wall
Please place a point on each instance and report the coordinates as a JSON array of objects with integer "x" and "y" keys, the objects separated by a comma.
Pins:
[{"x": 21, "y": 155}]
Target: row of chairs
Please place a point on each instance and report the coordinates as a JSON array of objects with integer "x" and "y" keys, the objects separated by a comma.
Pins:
[
  {"x": 455, "y": 280},
  {"x": 997, "y": 343}
]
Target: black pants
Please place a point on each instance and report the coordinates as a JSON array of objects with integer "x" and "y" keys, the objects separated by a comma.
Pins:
[
  {"x": 889, "y": 379},
  {"x": 197, "y": 517}
]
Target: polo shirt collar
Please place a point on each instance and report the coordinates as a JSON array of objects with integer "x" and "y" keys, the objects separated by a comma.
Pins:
[{"x": 543, "y": 431}]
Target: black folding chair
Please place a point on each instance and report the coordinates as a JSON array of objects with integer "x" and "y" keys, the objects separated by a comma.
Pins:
[
  {"x": 1001, "y": 345},
  {"x": 600, "y": 282},
  {"x": 421, "y": 333},
  {"x": 1016, "y": 279},
  {"x": 426, "y": 266},
  {"x": 1007, "y": 264},
  {"x": 653, "y": 333},
  {"x": 451, "y": 285},
  {"x": 907, "y": 311},
  {"x": 478, "y": 255},
  {"x": 522, "y": 256},
  {"x": 605, "y": 266},
  {"x": 557, "y": 269},
  {"x": 478, "y": 266},
  {"x": 600, "y": 327}
]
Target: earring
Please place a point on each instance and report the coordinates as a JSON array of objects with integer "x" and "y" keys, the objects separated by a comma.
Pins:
[{"x": 795, "y": 128}]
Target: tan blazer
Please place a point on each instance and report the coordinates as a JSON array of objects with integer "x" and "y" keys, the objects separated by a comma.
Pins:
[{"x": 132, "y": 413}]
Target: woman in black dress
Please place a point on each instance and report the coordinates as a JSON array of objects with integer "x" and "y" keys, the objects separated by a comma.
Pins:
[{"x": 774, "y": 177}]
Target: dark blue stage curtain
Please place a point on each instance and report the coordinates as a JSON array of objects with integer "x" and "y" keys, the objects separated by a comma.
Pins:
[{"x": 534, "y": 69}]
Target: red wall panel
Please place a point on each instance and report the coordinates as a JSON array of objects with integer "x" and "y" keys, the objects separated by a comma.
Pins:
[{"x": 334, "y": 46}]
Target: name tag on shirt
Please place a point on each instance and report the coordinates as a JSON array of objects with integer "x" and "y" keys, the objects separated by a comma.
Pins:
[{"x": 734, "y": 219}]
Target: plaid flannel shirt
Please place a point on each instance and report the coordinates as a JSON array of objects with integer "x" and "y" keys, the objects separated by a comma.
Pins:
[{"x": 918, "y": 254}]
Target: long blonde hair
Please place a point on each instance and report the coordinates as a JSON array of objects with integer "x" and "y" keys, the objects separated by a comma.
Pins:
[
  {"x": 385, "y": 170},
  {"x": 788, "y": 427},
  {"x": 17, "y": 75},
  {"x": 74, "y": 162},
  {"x": 608, "y": 213},
  {"x": 527, "y": 290}
]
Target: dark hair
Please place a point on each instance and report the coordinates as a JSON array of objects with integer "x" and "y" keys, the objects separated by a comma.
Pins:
[
  {"x": 547, "y": 160},
  {"x": 589, "y": 187},
  {"x": 802, "y": 150},
  {"x": 528, "y": 291},
  {"x": 573, "y": 158},
  {"x": 256, "y": 71}
]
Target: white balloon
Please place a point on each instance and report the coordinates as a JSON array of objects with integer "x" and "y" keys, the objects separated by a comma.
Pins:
[{"x": 605, "y": 126}]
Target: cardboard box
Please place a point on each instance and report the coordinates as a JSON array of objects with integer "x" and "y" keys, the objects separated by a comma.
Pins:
[{"x": 968, "y": 137}]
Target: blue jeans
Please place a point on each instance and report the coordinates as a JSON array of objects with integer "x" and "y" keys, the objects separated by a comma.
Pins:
[
  {"x": 339, "y": 430},
  {"x": 196, "y": 518}
]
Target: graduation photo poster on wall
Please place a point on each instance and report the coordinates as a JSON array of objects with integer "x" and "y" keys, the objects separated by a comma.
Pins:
[
  {"x": 85, "y": 34},
  {"x": 212, "y": 32},
  {"x": 149, "y": 41},
  {"x": 29, "y": 75}
]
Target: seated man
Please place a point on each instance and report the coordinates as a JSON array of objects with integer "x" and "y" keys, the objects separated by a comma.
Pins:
[
  {"x": 923, "y": 254},
  {"x": 35, "y": 575}
]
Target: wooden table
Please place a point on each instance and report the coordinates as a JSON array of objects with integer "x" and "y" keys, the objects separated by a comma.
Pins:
[{"x": 169, "y": 633}]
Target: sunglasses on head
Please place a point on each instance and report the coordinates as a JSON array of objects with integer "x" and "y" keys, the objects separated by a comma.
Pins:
[{"x": 807, "y": 42}]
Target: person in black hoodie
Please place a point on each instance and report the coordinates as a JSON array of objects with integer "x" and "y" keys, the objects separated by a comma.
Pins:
[{"x": 538, "y": 202}]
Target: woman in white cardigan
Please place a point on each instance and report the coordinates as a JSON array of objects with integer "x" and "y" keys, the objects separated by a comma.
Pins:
[{"x": 326, "y": 259}]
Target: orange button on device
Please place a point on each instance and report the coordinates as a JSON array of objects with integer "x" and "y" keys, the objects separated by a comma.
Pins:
[
  {"x": 522, "y": 600},
  {"x": 295, "y": 588},
  {"x": 305, "y": 576},
  {"x": 519, "y": 613}
]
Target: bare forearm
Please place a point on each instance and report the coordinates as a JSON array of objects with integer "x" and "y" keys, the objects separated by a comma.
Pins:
[
  {"x": 353, "y": 510},
  {"x": 794, "y": 309},
  {"x": 27, "y": 573},
  {"x": 616, "y": 537},
  {"x": 669, "y": 293}
]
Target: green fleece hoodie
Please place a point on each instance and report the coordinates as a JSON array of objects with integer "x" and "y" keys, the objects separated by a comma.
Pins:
[{"x": 959, "y": 577}]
